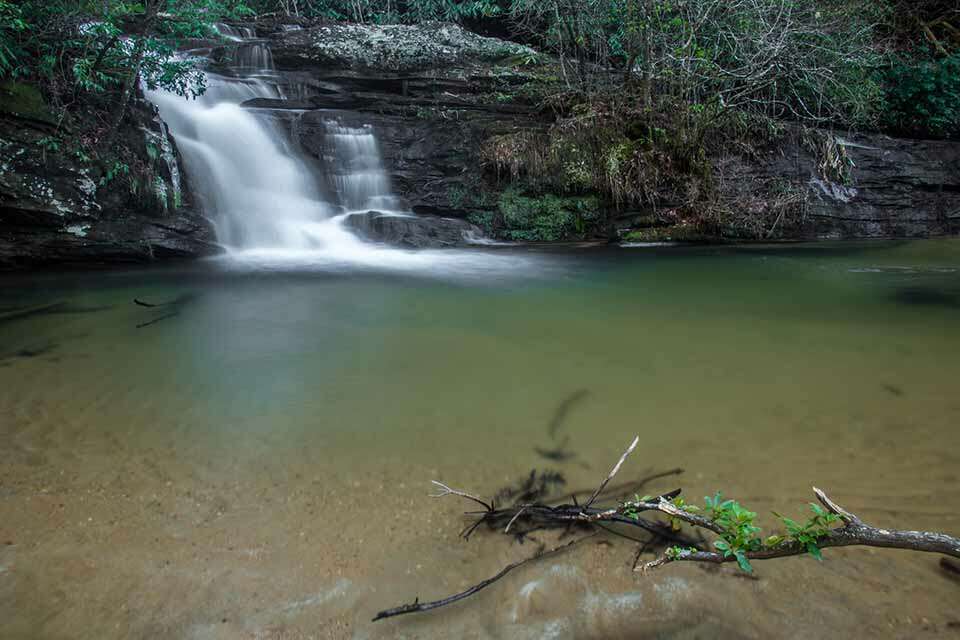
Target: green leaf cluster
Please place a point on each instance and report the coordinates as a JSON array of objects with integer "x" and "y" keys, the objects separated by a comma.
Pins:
[
  {"x": 739, "y": 531},
  {"x": 807, "y": 533}
]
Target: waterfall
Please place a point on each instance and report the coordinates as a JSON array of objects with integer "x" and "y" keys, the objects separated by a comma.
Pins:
[
  {"x": 249, "y": 178},
  {"x": 353, "y": 160},
  {"x": 273, "y": 208},
  {"x": 237, "y": 34}
]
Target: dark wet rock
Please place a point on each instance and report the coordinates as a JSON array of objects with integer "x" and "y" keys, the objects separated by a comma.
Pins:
[
  {"x": 414, "y": 232},
  {"x": 55, "y": 207},
  {"x": 433, "y": 95},
  {"x": 894, "y": 187},
  {"x": 431, "y": 153}
]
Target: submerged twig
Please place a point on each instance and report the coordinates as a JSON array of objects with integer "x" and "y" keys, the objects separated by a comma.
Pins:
[
  {"x": 156, "y": 320},
  {"x": 418, "y": 606},
  {"x": 35, "y": 310},
  {"x": 560, "y": 415},
  {"x": 176, "y": 302},
  {"x": 175, "y": 306},
  {"x": 448, "y": 491},
  {"x": 558, "y": 454}
]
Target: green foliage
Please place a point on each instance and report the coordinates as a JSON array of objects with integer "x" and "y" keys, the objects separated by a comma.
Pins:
[
  {"x": 383, "y": 11},
  {"x": 682, "y": 232},
  {"x": 115, "y": 170},
  {"x": 547, "y": 217},
  {"x": 49, "y": 144},
  {"x": 740, "y": 533},
  {"x": 12, "y": 24},
  {"x": 808, "y": 532},
  {"x": 923, "y": 98},
  {"x": 99, "y": 48},
  {"x": 804, "y": 59},
  {"x": 617, "y": 148}
]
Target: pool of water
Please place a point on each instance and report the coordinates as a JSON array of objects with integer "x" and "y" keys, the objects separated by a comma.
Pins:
[{"x": 254, "y": 460}]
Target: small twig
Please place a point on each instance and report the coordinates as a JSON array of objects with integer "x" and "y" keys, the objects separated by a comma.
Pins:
[
  {"x": 640, "y": 552},
  {"x": 447, "y": 491},
  {"x": 625, "y": 488},
  {"x": 156, "y": 320},
  {"x": 560, "y": 415},
  {"x": 836, "y": 509},
  {"x": 514, "y": 518},
  {"x": 418, "y": 606},
  {"x": 613, "y": 472}
]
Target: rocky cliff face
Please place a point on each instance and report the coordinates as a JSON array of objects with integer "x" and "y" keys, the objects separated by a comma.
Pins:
[
  {"x": 57, "y": 206},
  {"x": 863, "y": 185},
  {"x": 434, "y": 94}
]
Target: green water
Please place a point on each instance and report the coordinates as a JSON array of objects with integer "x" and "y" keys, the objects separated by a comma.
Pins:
[{"x": 296, "y": 402}]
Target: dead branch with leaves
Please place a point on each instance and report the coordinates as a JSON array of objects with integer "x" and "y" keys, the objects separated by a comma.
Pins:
[{"x": 736, "y": 538}]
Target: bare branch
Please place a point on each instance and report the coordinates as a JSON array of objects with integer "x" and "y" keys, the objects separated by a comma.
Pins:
[
  {"x": 448, "y": 491},
  {"x": 834, "y": 508},
  {"x": 613, "y": 472}
]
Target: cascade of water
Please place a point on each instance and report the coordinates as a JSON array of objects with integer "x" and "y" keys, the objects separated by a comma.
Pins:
[
  {"x": 353, "y": 158},
  {"x": 260, "y": 193},
  {"x": 237, "y": 34}
]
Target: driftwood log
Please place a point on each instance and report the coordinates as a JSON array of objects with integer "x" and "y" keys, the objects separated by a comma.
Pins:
[{"x": 521, "y": 519}]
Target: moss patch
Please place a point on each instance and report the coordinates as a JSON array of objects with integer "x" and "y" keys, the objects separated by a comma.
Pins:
[
  {"x": 24, "y": 100},
  {"x": 673, "y": 233}
]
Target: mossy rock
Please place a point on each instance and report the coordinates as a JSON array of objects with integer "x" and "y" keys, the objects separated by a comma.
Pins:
[
  {"x": 673, "y": 233},
  {"x": 25, "y": 101}
]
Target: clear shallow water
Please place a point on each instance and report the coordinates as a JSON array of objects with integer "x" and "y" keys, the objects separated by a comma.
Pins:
[{"x": 257, "y": 465}]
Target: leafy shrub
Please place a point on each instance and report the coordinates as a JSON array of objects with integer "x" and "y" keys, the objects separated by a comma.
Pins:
[
  {"x": 11, "y": 24},
  {"x": 619, "y": 149},
  {"x": 546, "y": 218},
  {"x": 923, "y": 98}
]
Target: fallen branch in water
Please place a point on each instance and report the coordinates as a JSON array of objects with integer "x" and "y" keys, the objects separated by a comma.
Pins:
[{"x": 737, "y": 537}]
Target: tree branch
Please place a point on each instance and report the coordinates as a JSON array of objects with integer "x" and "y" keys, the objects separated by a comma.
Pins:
[{"x": 854, "y": 533}]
